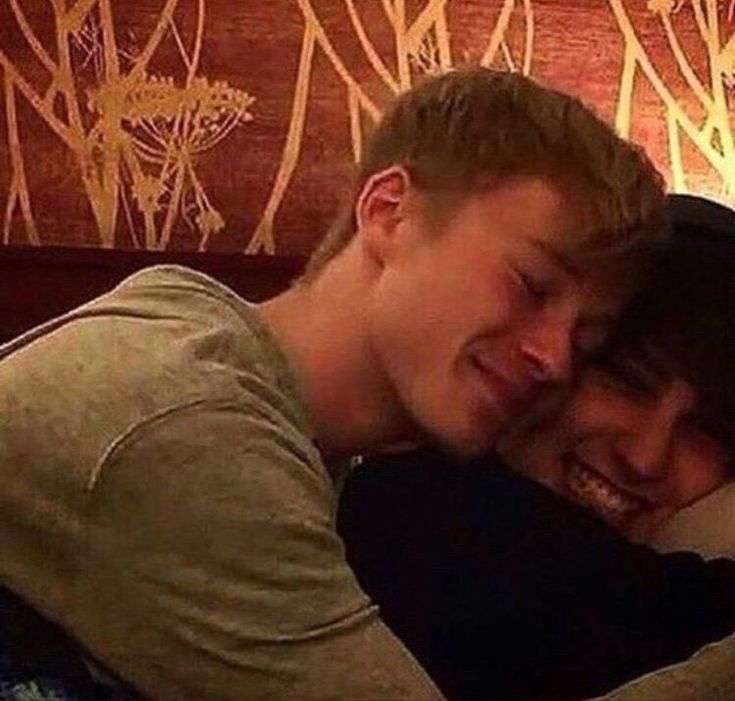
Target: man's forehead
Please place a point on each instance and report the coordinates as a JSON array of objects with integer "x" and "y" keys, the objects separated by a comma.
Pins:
[{"x": 646, "y": 355}]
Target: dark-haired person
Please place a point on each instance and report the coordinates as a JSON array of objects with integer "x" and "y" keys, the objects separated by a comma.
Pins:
[
  {"x": 169, "y": 452},
  {"x": 504, "y": 588}
]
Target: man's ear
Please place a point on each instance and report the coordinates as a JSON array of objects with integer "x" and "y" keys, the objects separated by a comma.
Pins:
[{"x": 380, "y": 208}]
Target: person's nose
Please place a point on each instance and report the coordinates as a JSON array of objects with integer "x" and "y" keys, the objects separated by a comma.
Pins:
[
  {"x": 547, "y": 350},
  {"x": 645, "y": 448}
]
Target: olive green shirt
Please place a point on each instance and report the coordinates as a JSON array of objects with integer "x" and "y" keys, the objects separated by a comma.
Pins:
[{"x": 161, "y": 499}]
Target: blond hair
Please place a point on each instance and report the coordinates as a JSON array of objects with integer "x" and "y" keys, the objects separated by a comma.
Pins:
[{"x": 457, "y": 132}]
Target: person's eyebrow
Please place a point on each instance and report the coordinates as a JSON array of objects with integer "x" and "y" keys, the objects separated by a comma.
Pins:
[
  {"x": 655, "y": 357},
  {"x": 556, "y": 256},
  {"x": 649, "y": 369},
  {"x": 605, "y": 321}
]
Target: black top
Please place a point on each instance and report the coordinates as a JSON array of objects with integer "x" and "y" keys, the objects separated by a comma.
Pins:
[{"x": 503, "y": 590}]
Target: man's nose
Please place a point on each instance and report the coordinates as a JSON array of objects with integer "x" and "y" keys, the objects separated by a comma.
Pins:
[
  {"x": 547, "y": 349},
  {"x": 645, "y": 449}
]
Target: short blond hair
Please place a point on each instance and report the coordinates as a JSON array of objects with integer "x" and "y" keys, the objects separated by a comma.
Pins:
[{"x": 456, "y": 132}]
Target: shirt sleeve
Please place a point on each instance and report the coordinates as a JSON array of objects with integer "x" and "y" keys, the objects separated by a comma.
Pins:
[
  {"x": 708, "y": 676},
  {"x": 212, "y": 570}
]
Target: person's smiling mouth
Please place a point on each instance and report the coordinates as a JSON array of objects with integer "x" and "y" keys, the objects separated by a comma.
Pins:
[
  {"x": 509, "y": 398},
  {"x": 590, "y": 488}
]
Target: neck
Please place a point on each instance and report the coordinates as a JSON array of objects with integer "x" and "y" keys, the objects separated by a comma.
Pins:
[{"x": 323, "y": 329}]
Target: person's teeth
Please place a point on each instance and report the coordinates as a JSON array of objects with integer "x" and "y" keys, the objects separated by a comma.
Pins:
[{"x": 597, "y": 493}]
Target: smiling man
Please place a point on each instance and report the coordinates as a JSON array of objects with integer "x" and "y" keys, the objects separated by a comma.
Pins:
[
  {"x": 466, "y": 313},
  {"x": 169, "y": 453},
  {"x": 504, "y": 588},
  {"x": 650, "y": 426},
  {"x": 632, "y": 446}
]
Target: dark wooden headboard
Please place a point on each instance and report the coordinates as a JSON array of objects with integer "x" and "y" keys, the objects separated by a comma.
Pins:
[{"x": 37, "y": 284}]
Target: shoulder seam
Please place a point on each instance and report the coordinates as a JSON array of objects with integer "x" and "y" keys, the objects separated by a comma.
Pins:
[{"x": 118, "y": 441}]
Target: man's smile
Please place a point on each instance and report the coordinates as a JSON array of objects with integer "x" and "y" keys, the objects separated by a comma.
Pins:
[{"x": 590, "y": 488}]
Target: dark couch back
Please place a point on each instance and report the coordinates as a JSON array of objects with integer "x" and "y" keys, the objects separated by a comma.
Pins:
[{"x": 37, "y": 284}]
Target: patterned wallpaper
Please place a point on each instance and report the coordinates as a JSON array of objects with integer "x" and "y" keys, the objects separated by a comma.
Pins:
[{"x": 230, "y": 125}]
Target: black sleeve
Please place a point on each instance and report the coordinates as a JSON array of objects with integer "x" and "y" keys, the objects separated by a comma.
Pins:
[{"x": 503, "y": 590}]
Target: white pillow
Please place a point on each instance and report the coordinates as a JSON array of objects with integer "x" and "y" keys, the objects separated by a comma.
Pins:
[{"x": 707, "y": 527}]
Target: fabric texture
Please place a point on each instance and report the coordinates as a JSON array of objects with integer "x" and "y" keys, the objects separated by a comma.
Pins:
[
  {"x": 706, "y": 527},
  {"x": 504, "y": 590},
  {"x": 708, "y": 676},
  {"x": 164, "y": 504}
]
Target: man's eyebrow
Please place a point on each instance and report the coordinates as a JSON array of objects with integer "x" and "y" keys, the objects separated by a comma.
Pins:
[
  {"x": 603, "y": 320},
  {"x": 649, "y": 365},
  {"x": 556, "y": 256}
]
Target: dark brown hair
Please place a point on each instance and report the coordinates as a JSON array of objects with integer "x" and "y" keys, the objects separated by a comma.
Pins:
[{"x": 683, "y": 322}]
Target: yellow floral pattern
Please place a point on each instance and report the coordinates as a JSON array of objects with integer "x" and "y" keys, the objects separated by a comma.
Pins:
[
  {"x": 702, "y": 115},
  {"x": 207, "y": 125},
  {"x": 137, "y": 135}
]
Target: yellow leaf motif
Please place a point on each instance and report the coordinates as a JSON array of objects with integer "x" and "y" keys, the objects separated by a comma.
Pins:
[
  {"x": 710, "y": 132},
  {"x": 663, "y": 7},
  {"x": 210, "y": 221},
  {"x": 727, "y": 64},
  {"x": 147, "y": 191},
  {"x": 190, "y": 119}
]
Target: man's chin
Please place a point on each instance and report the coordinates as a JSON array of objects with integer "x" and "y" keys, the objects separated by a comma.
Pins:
[
  {"x": 459, "y": 447},
  {"x": 468, "y": 449},
  {"x": 644, "y": 528}
]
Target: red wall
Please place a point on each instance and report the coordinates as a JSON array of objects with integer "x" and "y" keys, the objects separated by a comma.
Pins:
[{"x": 228, "y": 126}]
